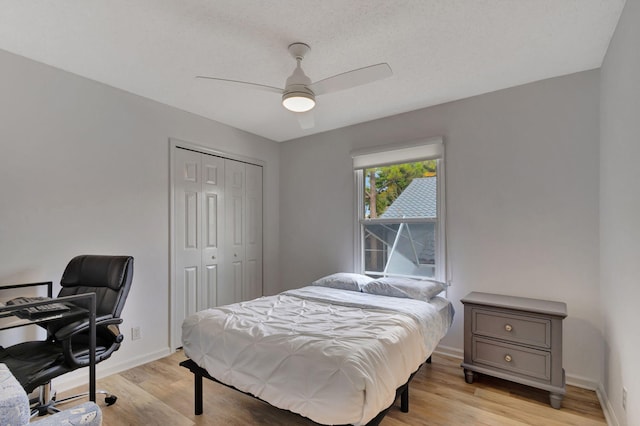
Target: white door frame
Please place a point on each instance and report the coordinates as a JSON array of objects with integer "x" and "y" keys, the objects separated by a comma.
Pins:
[{"x": 173, "y": 145}]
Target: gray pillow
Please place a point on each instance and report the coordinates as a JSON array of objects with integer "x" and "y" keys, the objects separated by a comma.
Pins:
[
  {"x": 405, "y": 287},
  {"x": 343, "y": 281}
]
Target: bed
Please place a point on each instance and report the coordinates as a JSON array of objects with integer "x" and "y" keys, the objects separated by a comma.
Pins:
[{"x": 334, "y": 353}]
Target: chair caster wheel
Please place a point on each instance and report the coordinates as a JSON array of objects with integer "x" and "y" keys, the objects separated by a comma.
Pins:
[{"x": 110, "y": 400}]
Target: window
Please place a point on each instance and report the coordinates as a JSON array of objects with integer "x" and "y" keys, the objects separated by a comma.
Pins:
[{"x": 401, "y": 211}]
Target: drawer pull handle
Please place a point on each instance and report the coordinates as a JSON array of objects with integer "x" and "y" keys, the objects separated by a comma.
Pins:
[
  {"x": 508, "y": 327},
  {"x": 507, "y": 358}
]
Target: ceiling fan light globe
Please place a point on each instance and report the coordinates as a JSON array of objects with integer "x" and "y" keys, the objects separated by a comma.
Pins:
[{"x": 298, "y": 101}]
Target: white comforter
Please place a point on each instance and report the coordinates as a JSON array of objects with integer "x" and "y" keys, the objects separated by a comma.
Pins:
[{"x": 333, "y": 356}]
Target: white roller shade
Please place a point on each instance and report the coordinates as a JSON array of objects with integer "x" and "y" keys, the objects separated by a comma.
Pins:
[{"x": 420, "y": 150}]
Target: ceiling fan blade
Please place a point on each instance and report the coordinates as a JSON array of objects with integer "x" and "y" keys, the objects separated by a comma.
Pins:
[
  {"x": 254, "y": 85},
  {"x": 351, "y": 79},
  {"x": 305, "y": 119}
]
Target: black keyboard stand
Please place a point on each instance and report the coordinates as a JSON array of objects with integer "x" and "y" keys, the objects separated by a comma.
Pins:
[{"x": 11, "y": 310}]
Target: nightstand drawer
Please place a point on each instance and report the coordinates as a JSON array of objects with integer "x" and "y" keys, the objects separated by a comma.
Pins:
[
  {"x": 515, "y": 359},
  {"x": 511, "y": 327}
]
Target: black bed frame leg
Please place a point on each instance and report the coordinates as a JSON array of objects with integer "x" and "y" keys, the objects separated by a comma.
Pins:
[
  {"x": 197, "y": 379},
  {"x": 404, "y": 400}
]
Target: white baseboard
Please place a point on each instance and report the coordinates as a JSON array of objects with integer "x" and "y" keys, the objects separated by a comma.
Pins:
[
  {"x": 582, "y": 382},
  {"x": 80, "y": 377},
  {"x": 607, "y": 409},
  {"x": 585, "y": 383},
  {"x": 449, "y": 351}
]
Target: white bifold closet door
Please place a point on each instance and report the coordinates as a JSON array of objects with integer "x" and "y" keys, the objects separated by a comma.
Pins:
[
  {"x": 252, "y": 284},
  {"x": 217, "y": 232}
]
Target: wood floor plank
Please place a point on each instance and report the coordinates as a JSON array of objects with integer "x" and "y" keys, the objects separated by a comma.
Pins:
[
  {"x": 135, "y": 406},
  {"x": 161, "y": 392}
]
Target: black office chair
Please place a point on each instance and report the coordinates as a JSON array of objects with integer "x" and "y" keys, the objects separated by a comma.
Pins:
[{"x": 66, "y": 348}]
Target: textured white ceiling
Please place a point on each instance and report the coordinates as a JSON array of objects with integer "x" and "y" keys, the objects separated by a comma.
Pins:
[{"x": 439, "y": 50}]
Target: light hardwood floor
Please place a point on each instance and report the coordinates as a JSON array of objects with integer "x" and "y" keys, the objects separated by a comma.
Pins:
[{"x": 161, "y": 393}]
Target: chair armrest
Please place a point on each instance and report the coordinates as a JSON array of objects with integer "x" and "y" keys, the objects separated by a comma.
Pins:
[
  {"x": 75, "y": 340},
  {"x": 65, "y": 332}
]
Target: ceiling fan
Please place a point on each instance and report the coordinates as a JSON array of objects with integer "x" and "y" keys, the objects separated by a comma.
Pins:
[{"x": 299, "y": 93}]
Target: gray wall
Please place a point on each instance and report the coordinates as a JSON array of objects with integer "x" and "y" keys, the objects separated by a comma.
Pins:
[
  {"x": 522, "y": 190},
  {"x": 84, "y": 168},
  {"x": 620, "y": 212}
]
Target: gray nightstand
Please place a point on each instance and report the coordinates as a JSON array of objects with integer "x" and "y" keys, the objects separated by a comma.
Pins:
[{"x": 516, "y": 339}]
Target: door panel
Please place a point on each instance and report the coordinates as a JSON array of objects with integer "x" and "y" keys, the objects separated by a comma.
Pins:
[
  {"x": 252, "y": 288},
  {"x": 236, "y": 218},
  {"x": 190, "y": 290},
  {"x": 212, "y": 169},
  {"x": 230, "y": 290},
  {"x": 191, "y": 168},
  {"x": 253, "y": 233},
  {"x": 209, "y": 299},
  {"x": 238, "y": 275},
  {"x": 187, "y": 242},
  {"x": 211, "y": 220},
  {"x": 234, "y": 224},
  {"x": 191, "y": 220},
  {"x": 212, "y": 226}
]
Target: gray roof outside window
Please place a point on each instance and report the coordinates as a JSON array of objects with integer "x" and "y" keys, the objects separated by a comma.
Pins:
[{"x": 419, "y": 200}]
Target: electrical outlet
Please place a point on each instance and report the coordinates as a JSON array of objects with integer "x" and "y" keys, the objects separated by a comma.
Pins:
[
  {"x": 136, "y": 333},
  {"x": 624, "y": 398}
]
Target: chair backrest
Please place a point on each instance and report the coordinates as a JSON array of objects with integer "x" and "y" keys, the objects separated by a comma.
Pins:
[{"x": 107, "y": 276}]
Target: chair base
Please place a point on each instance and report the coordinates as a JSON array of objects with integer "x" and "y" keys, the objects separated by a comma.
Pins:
[{"x": 46, "y": 403}]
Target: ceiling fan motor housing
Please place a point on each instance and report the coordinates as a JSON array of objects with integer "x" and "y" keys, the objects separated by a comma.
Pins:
[
  {"x": 298, "y": 98},
  {"x": 297, "y": 95}
]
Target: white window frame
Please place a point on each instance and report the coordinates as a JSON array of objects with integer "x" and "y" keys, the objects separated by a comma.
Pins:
[{"x": 427, "y": 149}]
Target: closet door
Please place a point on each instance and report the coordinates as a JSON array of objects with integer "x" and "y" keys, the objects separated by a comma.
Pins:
[
  {"x": 230, "y": 290},
  {"x": 217, "y": 241},
  {"x": 252, "y": 287},
  {"x": 199, "y": 211},
  {"x": 187, "y": 243},
  {"x": 212, "y": 229}
]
